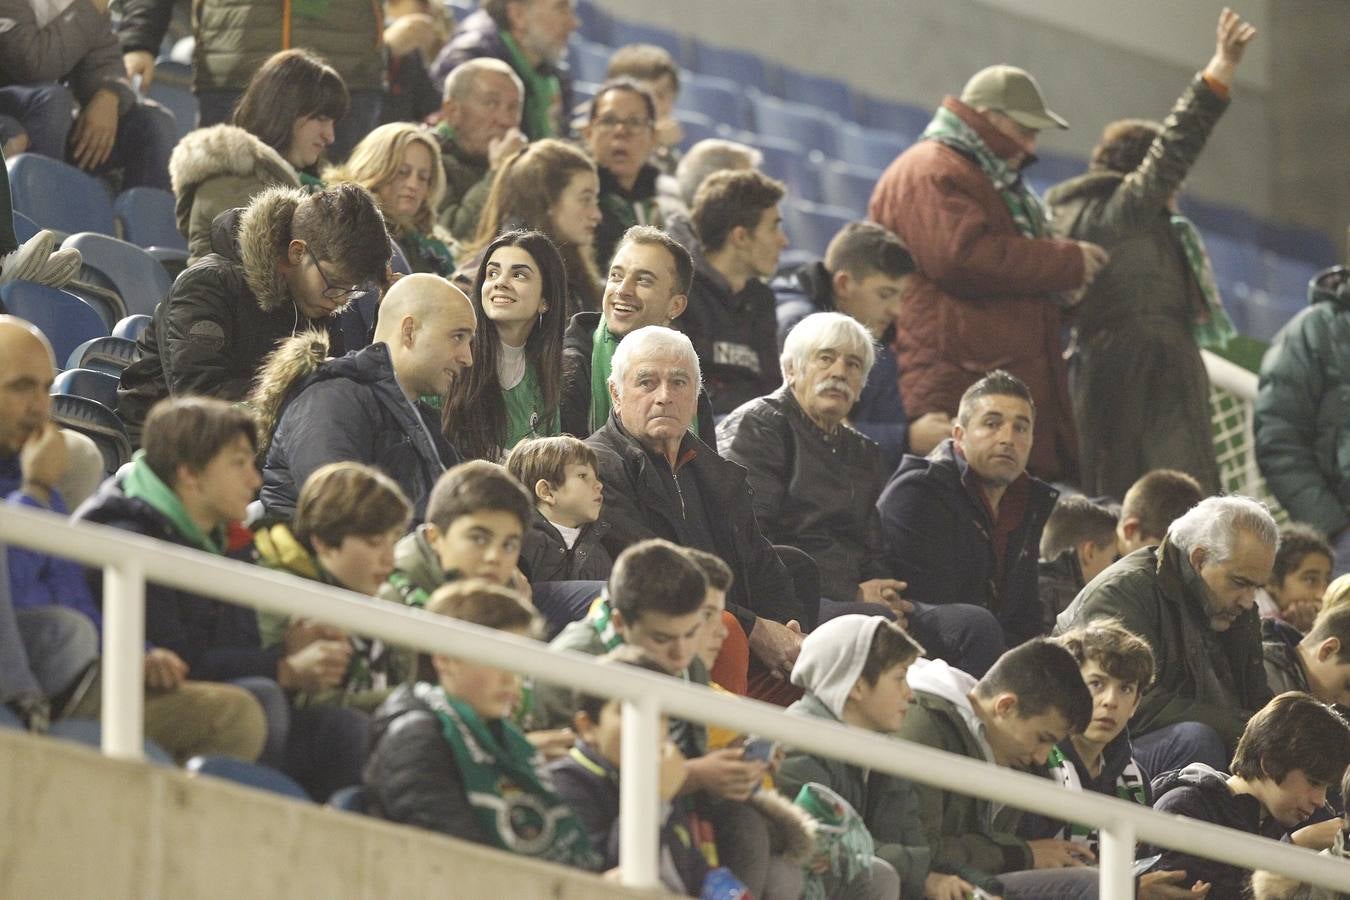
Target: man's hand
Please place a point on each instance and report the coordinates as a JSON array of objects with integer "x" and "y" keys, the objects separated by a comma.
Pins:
[
  {"x": 501, "y": 148},
  {"x": 321, "y": 664},
  {"x": 886, "y": 591},
  {"x": 43, "y": 461},
  {"x": 1168, "y": 886},
  {"x": 414, "y": 31},
  {"x": 142, "y": 63},
  {"x": 927, "y": 431},
  {"x": 101, "y": 6},
  {"x": 723, "y": 773},
  {"x": 946, "y": 887},
  {"x": 554, "y": 743},
  {"x": 1234, "y": 35},
  {"x": 95, "y": 130},
  {"x": 1094, "y": 260},
  {"x": 16, "y": 145},
  {"x": 776, "y": 645},
  {"x": 1316, "y": 837},
  {"x": 303, "y": 632},
  {"x": 164, "y": 670},
  {"x": 1056, "y": 854}
]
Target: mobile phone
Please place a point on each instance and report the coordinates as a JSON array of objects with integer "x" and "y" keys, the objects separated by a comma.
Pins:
[
  {"x": 761, "y": 749},
  {"x": 979, "y": 894}
]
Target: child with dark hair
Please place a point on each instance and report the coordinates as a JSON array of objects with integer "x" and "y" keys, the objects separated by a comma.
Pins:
[
  {"x": 1290, "y": 753},
  {"x": 563, "y": 541},
  {"x": 1269, "y": 886},
  {"x": 1029, "y": 701},
  {"x": 446, "y": 756},
  {"x": 1299, "y": 580}
]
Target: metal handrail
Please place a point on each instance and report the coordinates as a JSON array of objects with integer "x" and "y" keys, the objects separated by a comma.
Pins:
[{"x": 130, "y": 560}]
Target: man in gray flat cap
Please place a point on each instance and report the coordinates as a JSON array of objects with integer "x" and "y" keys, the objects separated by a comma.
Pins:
[{"x": 991, "y": 280}]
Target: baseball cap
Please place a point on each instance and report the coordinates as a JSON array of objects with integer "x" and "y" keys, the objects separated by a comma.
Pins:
[{"x": 1015, "y": 93}]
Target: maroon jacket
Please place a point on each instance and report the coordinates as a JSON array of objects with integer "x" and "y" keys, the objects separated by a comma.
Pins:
[{"x": 981, "y": 299}]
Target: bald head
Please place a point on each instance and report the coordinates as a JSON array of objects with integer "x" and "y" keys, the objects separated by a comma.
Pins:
[
  {"x": 27, "y": 367},
  {"x": 428, "y": 325}
]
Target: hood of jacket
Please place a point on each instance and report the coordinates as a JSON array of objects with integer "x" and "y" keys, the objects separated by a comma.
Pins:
[
  {"x": 1090, "y": 185},
  {"x": 111, "y": 506},
  {"x": 1213, "y": 785},
  {"x": 1331, "y": 286},
  {"x": 950, "y": 684},
  {"x": 295, "y": 358},
  {"x": 400, "y": 702},
  {"x": 223, "y": 150},
  {"x": 832, "y": 658},
  {"x": 416, "y": 558}
]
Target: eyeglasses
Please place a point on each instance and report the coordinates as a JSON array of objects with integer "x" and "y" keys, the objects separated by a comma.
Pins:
[
  {"x": 611, "y": 123},
  {"x": 332, "y": 291}
]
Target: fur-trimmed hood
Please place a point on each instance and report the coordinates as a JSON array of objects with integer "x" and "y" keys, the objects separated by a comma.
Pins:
[
  {"x": 262, "y": 235},
  {"x": 224, "y": 150},
  {"x": 295, "y": 358},
  {"x": 793, "y": 825}
]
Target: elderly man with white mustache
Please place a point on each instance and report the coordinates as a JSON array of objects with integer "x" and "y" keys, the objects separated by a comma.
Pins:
[{"x": 816, "y": 481}]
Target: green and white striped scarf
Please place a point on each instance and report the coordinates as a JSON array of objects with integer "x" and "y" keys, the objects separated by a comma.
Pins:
[
  {"x": 1210, "y": 325},
  {"x": 1129, "y": 786}
]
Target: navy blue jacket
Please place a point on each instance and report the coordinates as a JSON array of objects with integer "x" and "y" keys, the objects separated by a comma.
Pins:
[
  {"x": 352, "y": 408},
  {"x": 938, "y": 539}
]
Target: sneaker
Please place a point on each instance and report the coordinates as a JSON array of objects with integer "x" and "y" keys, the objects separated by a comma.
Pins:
[
  {"x": 29, "y": 260},
  {"x": 61, "y": 268}
]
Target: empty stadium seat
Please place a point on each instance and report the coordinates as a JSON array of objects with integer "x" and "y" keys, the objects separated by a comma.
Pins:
[
  {"x": 810, "y": 226},
  {"x": 132, "y": 327},
  {"x": 817, "y": 90},
  {"x": 65, "y": 319},
  {"x": 24, "y": 227},
  {"x": 594, "y": 22},
  {"x": 903, "y": 120},
  {"x": 1267, "y": 313},
  {"x": 720, "y": 99},
  {"x": 137, "y": 277},
  {"x": 1287, "y": 280},
  {"x": 89, "y": 417},
  {"x": 623, "y": 31},
  {"x": 90, "y": 383},
  {"x": 696, "y": 127},
  {"x": 109, "y": 354},
  {"x": 58, "y": 196},
  {"x": 787, "y": 161},
  {"x": 848, "y": 186},
  {"x": 172, "y": 89},
  {"x": 147, "y": 218},
  {"x": 746, "y": 69},
  {"x": 589, "y": 61},
  {"x": 871, "y": 148},
  {"x": 809, "y": 126},
  {"x": 250, "y": 774},
  {"x": 350, "y": 799}
]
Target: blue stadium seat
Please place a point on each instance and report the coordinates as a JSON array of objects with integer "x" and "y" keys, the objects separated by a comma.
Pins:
[
  {"x": 24, "y": 227},
  {"x": 458, "y": 9},
  {"x": 848, "y": 186},
  {"x": 904, "y": 121},
  {"x": 622, "y": 31},
  {"x": 1267, "y": 313},
  {"x": 172, "y": 89},
  {"x": 697, "y": 127},
  {"x": 89, "y": 417},
  {"x": 1237, "y": 264},
  {"x": 109, "y": 354},
  {"x": 147, "y": 218},
  {"x": 250, "y": 774},
  {"x": 350, "y": 799},
  {"x": 172, "y": 259},
  {"x": 810, "y": 226},
  {"x": 583, "y": 92},
  {"x": 90, "y": 383},
  {"x": 132, "y": 327},
  {"x": 65, "y": 319},
  {"x": 871, "y": 148},
  {"x": 594, "y": 22},
  {"x": 813, "y": 128},
  {"x": 589, "y": 61},
  {"x": 720, "y": 99},
  {"x": 818, "y": 90},
  {"x": 746, "y": 69},
  {"x": 58, "y": 196},
  {"x": 137, "y": 277},
  {"x": 787, "y": 161},
  {"x": 1287, "y": 280}
]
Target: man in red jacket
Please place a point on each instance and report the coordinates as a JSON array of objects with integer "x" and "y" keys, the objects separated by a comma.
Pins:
[{"x": 991, "y": 281}]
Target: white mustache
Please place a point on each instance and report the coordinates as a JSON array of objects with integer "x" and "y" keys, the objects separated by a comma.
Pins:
[{"x": 836, "y": 384}]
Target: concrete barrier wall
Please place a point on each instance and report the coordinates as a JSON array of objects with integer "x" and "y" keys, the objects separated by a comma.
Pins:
[{"x": 79, "y": 825}]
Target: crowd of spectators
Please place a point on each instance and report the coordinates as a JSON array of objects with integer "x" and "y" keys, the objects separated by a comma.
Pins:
[{"x": 598, "y": 412}]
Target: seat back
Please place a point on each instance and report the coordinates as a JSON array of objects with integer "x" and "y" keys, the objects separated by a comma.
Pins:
[
  {"x": 819, "y": 91},
  {"x": 95, "y": 385},
  {"x": 58, "y": 196},
  {"x": 104, "y": 354},
  {"x": 147, "y": 218},
  {"x": 624, "y": 31},
  {"x": 250, "y": 774},
  {"x": 89, "y": 417},
  {"x": 871, "y": 148},
  {"x": 132, "y": 327},
  {"x": 810, "y": 226},
  {"x": 746, "y": 69},
  {"x": 813, "y": 128},
  {"x": 848, "y": 186},
  {"x": 65, "y": 319},
  {"x": 720, "y": 99},
  {"x": 172, "y": 89},
  {"x": 136, "y": 275},
  {"x": 350, "y": 799}
]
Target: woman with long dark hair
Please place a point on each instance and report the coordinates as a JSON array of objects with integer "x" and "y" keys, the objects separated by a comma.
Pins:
[{"x": 512, "y": 390}]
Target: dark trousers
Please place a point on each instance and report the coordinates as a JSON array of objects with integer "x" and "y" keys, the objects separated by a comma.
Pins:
[
  {"x": 963, "y": 635},
  {"x": 1177, "y": 746}
]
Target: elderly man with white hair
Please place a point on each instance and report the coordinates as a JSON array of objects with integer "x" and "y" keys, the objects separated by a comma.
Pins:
[
  {"x": 815, "y": 482},
  {"x": 1193, "y": 600},
  {"x": 662, "y": 481}
]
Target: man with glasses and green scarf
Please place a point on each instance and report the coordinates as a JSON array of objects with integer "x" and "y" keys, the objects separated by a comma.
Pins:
[{"x": 991, "y": 280}]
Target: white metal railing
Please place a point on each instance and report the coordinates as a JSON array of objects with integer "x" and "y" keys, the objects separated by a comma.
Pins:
[{"x": 129, "y": 560}]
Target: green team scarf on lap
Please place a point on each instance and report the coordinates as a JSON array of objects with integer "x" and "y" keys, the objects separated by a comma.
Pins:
[
  {"x": 511, "y": 795},
  {"x": 1027, "y": 211},
  {"x": 536, "y": 118},
  {"x": 1210, "y": 325},
  {"x": 1129, "y": 786}
]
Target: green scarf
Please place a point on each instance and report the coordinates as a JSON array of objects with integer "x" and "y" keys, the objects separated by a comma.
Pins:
[
  {"x": 506, "y": 784},
  {"x": 524, "y": 411},
  {"x": 1210, "y": 325},
  {"x": 141, "y": 483},
  {"x": 1027, "y": 212},
  {"x": 603, "y": 345},
  {"x": 434, "y": 251},
  {"x": 602, "y": 620},
  {"x": 1129, "y": 786},
  {"x": 541, "y": 90}
]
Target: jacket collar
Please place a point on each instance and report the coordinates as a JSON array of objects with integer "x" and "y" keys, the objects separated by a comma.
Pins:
[
  {"x": 1003, "y": 147},
  {"x": 263, "y": 232},
  {"x": 644, "y": 186}
]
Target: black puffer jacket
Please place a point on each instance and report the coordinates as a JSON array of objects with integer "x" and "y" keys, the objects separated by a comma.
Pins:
[
  {"x": 222, "y": 316},
  {"x": 642, "y": 502},
  {"x": 937, "y": 538},
  {"x": 811, "y": 490},
  {"x": 411, "y": 776},
  {"x": 578, "y": 342},
  {"x": 544, "y": 555},
  {"x": 352, "y": 408},
  {"x": 735, "y": 336}
]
